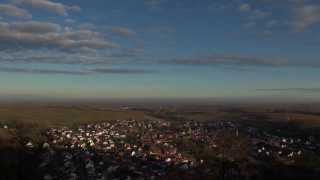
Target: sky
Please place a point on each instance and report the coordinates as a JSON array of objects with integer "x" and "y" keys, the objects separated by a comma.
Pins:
[{"x": 260, "y": 49}]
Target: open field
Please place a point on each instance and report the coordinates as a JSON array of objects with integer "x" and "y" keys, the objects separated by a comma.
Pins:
[
  {"x": 303, "y": 116},
  {"x": 246, "y": 139},
  {"x": 30, "y": 121}
]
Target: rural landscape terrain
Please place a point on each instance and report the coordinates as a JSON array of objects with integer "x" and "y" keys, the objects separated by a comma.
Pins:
[
  {"x": 159, "y": 89},
  {"x": 179, "y": 141}
]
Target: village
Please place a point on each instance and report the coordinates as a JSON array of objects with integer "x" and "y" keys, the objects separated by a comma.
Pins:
[{"x": 160, "y": 149}]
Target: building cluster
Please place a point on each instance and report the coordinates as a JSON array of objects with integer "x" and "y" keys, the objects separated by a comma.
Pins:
[
  {"x": 152, "y": 149},
  {"x": 284, "y": 149},
  {"x": 125, "y": 149}
]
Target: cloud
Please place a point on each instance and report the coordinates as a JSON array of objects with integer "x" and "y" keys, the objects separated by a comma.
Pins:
[
  {"x": 35, "y": 27},
  {"x": 49, "y": 6},
  {"x": 253, "y": 14},
  {"x": 70, "y": 21},
  {"x": 47, "y": 42},
  {"x": 123, "y": 32},
  {"x": 40, "y": 71},
  {"x": 306, "y": 90},
  {"x": 249, "y": 25},
  {"x": 233, "y": 60},
  {"x": 82, "y": 57},
  {"x": 13, "y": 11},
  {"x": 259, "y": 14},
  {"x": 71, "y": 72},
  {"x": 245, "y": 7},
  {"x": 305, "y": 16},
  {"x": 297, "y": 15},
  {"x": 123, "y": 71},
  {"x": 160, "y": 29},
  {"x": 127, "y": 53},
  {"x": 52, "y": 56},
  {"x": 154, "y": 3},
  {"x": 271, "y": 23},
  {"x": 33, "y": 34}
]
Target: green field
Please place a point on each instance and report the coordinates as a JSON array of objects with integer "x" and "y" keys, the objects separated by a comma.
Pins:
[{"x": 30, "y": 121}]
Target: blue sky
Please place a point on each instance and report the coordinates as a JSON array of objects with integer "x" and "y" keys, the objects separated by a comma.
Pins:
[{"x": 160, "y": 48}]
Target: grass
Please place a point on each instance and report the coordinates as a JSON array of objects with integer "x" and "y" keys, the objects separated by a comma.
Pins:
[{"x": 30, "y": 121}]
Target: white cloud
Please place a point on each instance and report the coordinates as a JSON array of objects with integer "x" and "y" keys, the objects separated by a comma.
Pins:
[
  {"x": 245, "y": 7},
  {"x": 297, "y": 15},
  {"x": 48, "y": 5},
  {"x": 13, "y": 11},
  {"x": 35, "y": 27},
  {"x": 154, "y": 3},
  {"x": 271, "y": 23},
  {"x": 41, "y": 71},
  {"x": 249, "y": 25},
  {"x": 75, "y": 72},
  {"x": 306, "y": 16},
  {"x": 123, "y": 32},
  {"x": 231, "y": 60},
  {"x": 70, "y": 21},
  {"x": 260, "y": 14},
  {"x": 49, "y": 35}
]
